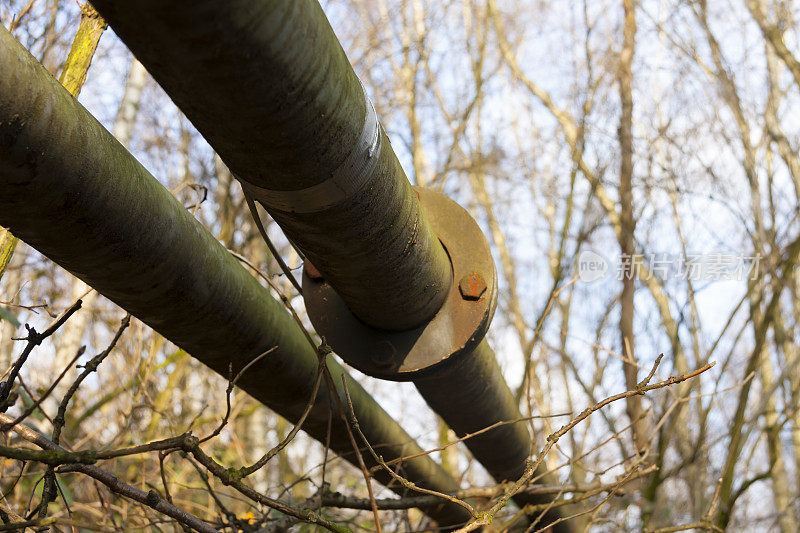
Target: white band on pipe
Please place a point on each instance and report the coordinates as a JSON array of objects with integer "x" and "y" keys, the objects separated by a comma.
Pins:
[{"x": 345, "y": 181}]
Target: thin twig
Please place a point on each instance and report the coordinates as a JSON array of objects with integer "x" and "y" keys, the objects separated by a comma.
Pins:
[
  {"x": 257, "y": 218},
  {"x": 152, "y": 499},
  {"x": 229, "y": 390},
  {"x": 403, "y": 481},
  {"x": 367, "y": 477},
  {"x": 34, "y": 339},
  {"x": 486, "y": 517},
  {"x": 31, "y": 408}
]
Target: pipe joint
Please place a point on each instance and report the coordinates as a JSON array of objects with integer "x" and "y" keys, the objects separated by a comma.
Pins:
[{"x": 456, "y": 329}]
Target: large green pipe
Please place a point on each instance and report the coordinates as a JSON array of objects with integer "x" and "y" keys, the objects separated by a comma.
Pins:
[
  {"x": 71, "y": 191},
  {"x": 267, "y": 83}
]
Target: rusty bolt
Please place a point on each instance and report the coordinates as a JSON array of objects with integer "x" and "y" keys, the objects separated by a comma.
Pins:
[
  {"x": 312, "y": 271},
  {"x": 383, "y": 354},
  {"x": 472, "y": 286}
]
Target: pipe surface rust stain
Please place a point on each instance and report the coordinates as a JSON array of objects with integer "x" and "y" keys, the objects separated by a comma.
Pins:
[{"x": 472, "y": 286}]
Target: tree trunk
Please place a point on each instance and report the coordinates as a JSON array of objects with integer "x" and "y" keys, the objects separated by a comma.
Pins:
[{"x": 627, "y": 227}]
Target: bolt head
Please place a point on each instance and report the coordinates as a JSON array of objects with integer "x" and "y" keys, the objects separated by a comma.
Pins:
[
  {"x": 383, "y": 354},
  {"x": 472, "y": 286},
  {"x": 312, "y": 271}
]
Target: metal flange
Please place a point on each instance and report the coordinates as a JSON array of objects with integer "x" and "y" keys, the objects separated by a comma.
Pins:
[{"x": 458, "y": 326}]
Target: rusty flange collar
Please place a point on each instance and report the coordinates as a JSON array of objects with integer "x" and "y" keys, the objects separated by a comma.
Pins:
[{"x": 459, "y": 325}]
